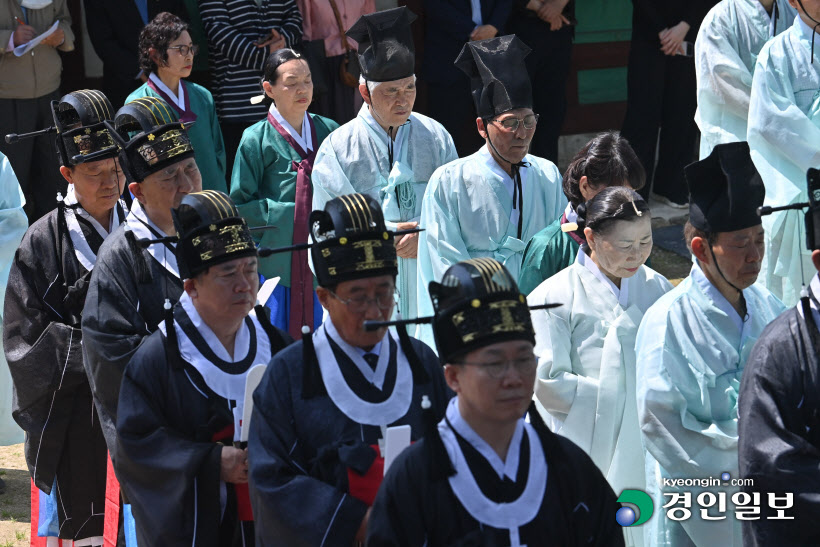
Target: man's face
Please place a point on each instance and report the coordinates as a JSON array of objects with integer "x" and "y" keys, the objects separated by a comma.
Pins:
[
  {"x": 357, "y": 301},
  {"x": 812, "y": 8},
  {"x": 494, "y": 383},
  {"x": 227, "y": 291},
  {"x": 512, "y": 145},
  {"x": 164, "y": 190},
  {"x": 739, "y": 255},
  {"x": 97, "y": 184},
  {"x": 623, "y": 247},
  {"x": 393, "y": 101}
]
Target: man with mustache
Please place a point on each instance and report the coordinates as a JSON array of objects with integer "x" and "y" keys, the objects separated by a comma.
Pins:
[
  {"x": 388, "y": 151},
  {"x": 693, "y": 343},
  {"x": 183, "y": 392},
  {"x": 65, "y": 448},
  {"x": 491, "y": 203},
  {"x": 132, "y": 280}
]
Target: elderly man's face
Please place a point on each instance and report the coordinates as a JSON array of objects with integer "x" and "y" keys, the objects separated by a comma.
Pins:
[
  {"x": 511, "y": 144},
  {"x": 392, "y": 101},
  {"x": 164, "y": 190},
  {"x": 739, "y": 255},
  {"x": 227, "y": 291}
]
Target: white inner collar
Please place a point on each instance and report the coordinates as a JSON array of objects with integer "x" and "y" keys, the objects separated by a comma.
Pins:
[
  {"x": 356, "y": 354},
  {"x": 178, "y": 97},
  {"x": 488, "y": 159},
  {"x": 507, "y": 467},
  {"x": 510, "y": 516},
  {"x": 82, "y": 250},
  {"x": 570, "y": 213},
  {"x": 622, "y": 294},
  {"x": 303, "y": 139},
  {"x": 137, "y": 221}
]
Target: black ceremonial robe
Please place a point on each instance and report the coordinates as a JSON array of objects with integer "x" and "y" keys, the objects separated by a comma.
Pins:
[
  {"x": 416, "y": 505},
  {"x": 52, "y": 399},
  {"x": 779, "y": 428},
  {"x": 169, "y": 420},
  {"x": 302, "y": 450},
  {"x": 124, "y": 305}
]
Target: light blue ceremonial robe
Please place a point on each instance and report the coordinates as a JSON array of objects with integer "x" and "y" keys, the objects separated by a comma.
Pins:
[
  {"x": 585, "y": 386},
  {"x": 784, "y": 137},
  {"x": 467, "y": 212},
  {"x": 691, "y": 349},
  {"x": 728, "y": 43},
  {"x": 13, "y": 225},
  {"x": 354, "y": 158}
]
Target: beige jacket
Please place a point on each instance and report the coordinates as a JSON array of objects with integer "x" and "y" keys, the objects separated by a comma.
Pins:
[{"x": 36, "y": 73}]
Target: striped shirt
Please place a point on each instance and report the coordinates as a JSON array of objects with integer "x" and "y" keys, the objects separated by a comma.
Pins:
[{"x": 232, "y": 27}]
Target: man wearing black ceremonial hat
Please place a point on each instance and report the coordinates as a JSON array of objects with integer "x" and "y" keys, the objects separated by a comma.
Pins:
[
  {"x": 779, "y": 435},
  {"x": 388, "y": 151},
  {"x": 693, "y": 343},
  {"x": 48, "y": 281},
  {"x": 133, "y": 280},
  {"x": 183, "y": 392},
  {"x": 333, "y": 408},
  {"x": 491, "y": 203},
  {"x": 483, "y": 475}
]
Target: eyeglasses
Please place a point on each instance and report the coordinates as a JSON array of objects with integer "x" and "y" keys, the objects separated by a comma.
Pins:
[
  {"x": 511, "y": 124},
  {"x": 184, "y": 50},
  {"x": 360, "y": 304},
  {"x": 497, "y": 369}
]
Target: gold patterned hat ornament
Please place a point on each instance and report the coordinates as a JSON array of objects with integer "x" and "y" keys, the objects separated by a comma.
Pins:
[
  {"x": 81, "y": 134},
  {"x": 476, "y": 304},
  {"x": 350, "y": 241},
  {"x": 150, "y": 137}
]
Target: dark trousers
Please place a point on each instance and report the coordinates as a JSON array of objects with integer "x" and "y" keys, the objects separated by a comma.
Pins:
[
  {"x": 452, "y": 106},
  {"x": 548, "y": 66},
  {"x": 662, "y": 97},
  {"x": 34, "y": 160},
  {"x": 337, "y": 102}
]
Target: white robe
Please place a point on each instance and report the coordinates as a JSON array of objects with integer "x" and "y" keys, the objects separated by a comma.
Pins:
[
  {"x": 354, "y": 158},
  {"x": 784, "y": 137},
  {"x": 728, "y": 43},
  {"x": 13, "y": 225},
  {"x": 691, "y": 349},
  {"x": 585, "y": 387},
  {"x": 467, "y": 212}
]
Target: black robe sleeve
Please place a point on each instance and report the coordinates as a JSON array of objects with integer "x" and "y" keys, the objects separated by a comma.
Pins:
[
  {"x": 779, "y": 431},
  {"x": 42, "y": 343},
  {"x": 113, "y": 328},
  {"x": 171, "y": 480},
  {"x": 290, "y": 507}
]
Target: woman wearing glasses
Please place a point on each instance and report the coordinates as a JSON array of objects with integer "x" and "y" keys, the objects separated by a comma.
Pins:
[
  {"x": 166, "y": 57},
  {"x": 585, "y": 383}
]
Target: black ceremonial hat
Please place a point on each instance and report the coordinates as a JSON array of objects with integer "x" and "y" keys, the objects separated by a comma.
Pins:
[
  {"x": 210, "y": 232},
  {"x": 477, "y": 304},
  {"x": 351, "y": 241},
  {"x": 150, "y": 137},
  {"x": 725, "y": 190},
  {"x": 498, "y": 75},
  {"x": 813, "y": 213},
  {"x": 386, "y": 50},
  {"x": 79, "y": 119}
]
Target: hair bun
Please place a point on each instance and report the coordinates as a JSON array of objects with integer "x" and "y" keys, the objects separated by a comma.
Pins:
[{"x": 581, "y": 221}]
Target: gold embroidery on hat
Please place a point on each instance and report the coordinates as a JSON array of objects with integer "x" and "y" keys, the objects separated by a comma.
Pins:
[
  {"x": 508, "y": 323},
  {"x": 370, "y": 262}
]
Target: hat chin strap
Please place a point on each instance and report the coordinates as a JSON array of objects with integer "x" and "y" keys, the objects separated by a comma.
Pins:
[
  {"x": 717, "y": 267},
  {"x": 518, "y": 191},
  {"x": 814, "y": 29}
]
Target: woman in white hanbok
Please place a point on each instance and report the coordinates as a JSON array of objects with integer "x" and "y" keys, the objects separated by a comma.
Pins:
[{"x": 585, "y": 388}]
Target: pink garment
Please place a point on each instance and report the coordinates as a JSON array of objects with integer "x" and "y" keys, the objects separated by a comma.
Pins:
[{"x": 319, "y": 22}]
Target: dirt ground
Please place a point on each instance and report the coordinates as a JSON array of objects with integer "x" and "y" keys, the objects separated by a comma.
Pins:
[{"x": 15, "y": 520}]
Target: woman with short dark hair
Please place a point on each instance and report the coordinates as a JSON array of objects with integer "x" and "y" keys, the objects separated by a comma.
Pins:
[
  {"x": 606, "y": 160},
  {"x": 166, "y": 56},
  {"x": 271, "y": 186},
  {"x": 585, "y": 383}
]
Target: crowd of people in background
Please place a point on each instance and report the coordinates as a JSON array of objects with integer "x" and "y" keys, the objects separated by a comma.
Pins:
[{"x": 267, "y": 274}]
